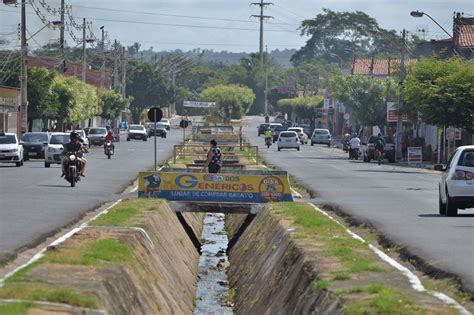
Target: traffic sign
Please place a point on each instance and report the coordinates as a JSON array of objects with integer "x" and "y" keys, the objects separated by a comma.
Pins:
[
  {"x": 184, "y": 124},
  {"x": 199, "y": 104},
  {"x": 155, "y": 114}
]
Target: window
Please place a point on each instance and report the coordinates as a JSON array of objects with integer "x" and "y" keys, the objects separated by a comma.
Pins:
[
  {"x": 8, "y": 139},
  {"x": 288, "y": 134},
  {"x": 467, "y": 158},
  {"x": 59, "y": 139},
  {"x": 97, "y": 131},
  {"x": 35, "y": 137}
]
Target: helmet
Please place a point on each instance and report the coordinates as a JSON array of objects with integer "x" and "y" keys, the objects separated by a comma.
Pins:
[
  {"x": 109, "y": 132},
  {"x": 74, "y": 135},
  {"x": 354, "y": 135}
]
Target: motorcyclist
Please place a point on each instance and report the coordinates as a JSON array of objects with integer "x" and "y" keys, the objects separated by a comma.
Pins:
[
  {"x": 354, "y": 144},
  {"x": 74, "y": 145},
  {"x": 109, "y": 137},
  {"x": 268, "y": 135}
]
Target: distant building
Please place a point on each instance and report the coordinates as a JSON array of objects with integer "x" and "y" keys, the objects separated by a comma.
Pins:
[{"x": 378, "y": 67}]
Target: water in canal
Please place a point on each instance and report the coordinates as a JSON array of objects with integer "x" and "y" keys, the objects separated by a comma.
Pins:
[{"x": 213, "y": 289}]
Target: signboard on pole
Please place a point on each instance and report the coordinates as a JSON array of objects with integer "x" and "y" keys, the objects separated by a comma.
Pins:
[
  {"x": 415, "y": 155},
  {"x": 235, "y": 186},
  {"x": 453, "y": 133},
  {"x": 199, "y": 104},
  {"x": 392, "y": 113}
]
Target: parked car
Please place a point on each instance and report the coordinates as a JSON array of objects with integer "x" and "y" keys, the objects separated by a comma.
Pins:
[
  {"x": 160, "y": 130},
  {"x": 166, "y": 122},
  {"x": 288, "y": 140},
  {"x": 301, "y": 134},
  {"x": 276, "y": 132},
  {"x": 321, "y": 136},
  {"x": 137, "y": 132},
  {"x": 34, "y": 144},
  {"x": 456, "y": 186},
  {"x": 97, "y": 135},
  {"x": 54, "y": 149},
  {"x": 262, "y": 128},
  {"x": 388, "y": 151},
  {"x": 11, "y": 150}
]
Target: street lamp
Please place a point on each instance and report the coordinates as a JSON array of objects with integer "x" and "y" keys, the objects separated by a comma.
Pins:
[{"x": 419, "y": 14}]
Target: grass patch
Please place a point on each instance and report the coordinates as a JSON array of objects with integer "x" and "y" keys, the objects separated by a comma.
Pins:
[
  {"x": 341, "y": 276},
  {"x": 15, "y": 308},
  {"x": 93, "y": 253},
  {"x": 41, "y": 292},
  {"x": 121, "y": 214},
  {"x": 296, "y": 186},
  {"x": 320, "y": 285},
  {"x": 232, "y": 295}
]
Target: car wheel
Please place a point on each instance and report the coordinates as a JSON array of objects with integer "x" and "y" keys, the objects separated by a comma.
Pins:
[
  {"x": 312, "y": 143},
  {"x": 26, "y": 158},
  {"x": 442, "y": 206},
  {"x": 128, "y": 139},
  {"x": 279, "y": 149},
  {"x": 451, "y": 207},
  {"x": 145, "y": 139},
  {"x": 18, "y": 164},
  {"x": 329, "y": 144},
  {"x": 298, "y": 148},
  {"x": 47, "y": 165}
]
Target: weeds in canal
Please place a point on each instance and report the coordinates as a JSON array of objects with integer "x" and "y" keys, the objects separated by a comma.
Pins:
[
  {"x": 93, "y": 253},
  {"x": 44, "y": 292},
  {"x": 320, "y": 285},
  {"x": 121, "y": 214},
  {"x": 15, "y": 308}
]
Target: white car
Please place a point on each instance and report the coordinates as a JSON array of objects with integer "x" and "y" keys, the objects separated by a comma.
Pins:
[
  {"x": 166, "y": 122},
  {"x": 54, "y": 149},
  {"x": 301, "y": 134},
  {"x": 11, "y": 150},
  {"x": 321, "y": 136},
  {"x": 456, "y": 187},
  {"x": 288, "y": 140},
  {"x": 137, "y": 132}
]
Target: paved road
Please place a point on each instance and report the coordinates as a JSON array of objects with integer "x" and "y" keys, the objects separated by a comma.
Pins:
[
  {"x": 35, "y": 201},
  {"x": 400, "y": 202}
]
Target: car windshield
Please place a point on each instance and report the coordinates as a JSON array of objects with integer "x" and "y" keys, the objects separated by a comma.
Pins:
[
  {"x": 287, "y": 134},
  {"x": 7, "y": 139},
  {"x": 158, "y": 126},
  {"x": 165, "y": 121},
  {"x": 467, "y": 158},
  {"x": 321, "y": 132},
  {"x": 97, "y": 131},
  {"x": 35, "y": 137},
  {"x": 136, "y": 128},
  {"x": 59, "y": 139},
  {"x": 264, "y": 126}
]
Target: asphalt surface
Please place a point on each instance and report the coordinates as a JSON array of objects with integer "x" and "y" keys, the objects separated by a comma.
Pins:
[
  {"x": 401, "y": 202},
  {"x": 35, "y": 201}
]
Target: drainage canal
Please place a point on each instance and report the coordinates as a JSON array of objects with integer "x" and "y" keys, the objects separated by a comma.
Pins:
[{"x": 213, "y": 286}]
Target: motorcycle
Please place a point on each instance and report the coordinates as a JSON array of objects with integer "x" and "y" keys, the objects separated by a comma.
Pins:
[
  {"x": 345, "y": 146},
  {"x": 268, "y": 142},
  {"x": 72, "y": 168},
  {"x": 109, "y": 150},
  {"x": 353, "y": 154}
]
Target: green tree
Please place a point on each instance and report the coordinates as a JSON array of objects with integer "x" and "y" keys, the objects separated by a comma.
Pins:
[
  {"x": 239, "y": 97},
  {"x": 364, "y": 97},
  {"x": 148, "y": 87},
  {"x": 442, "y": 91},
  {"x": 333, "y": 32},
  {"x": 111, "y": 103},
  {"x": 43, "y": 103},
  {"x": 78, "y": 100},
  {"x": 303, "y": 107}
]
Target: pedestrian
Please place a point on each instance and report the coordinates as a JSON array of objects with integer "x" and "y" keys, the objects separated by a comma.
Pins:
[
  {"x": 405, "y": 143},
  {"x": 214, "y": 158}
]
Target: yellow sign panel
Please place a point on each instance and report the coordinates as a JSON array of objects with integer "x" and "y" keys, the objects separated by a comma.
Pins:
[{"x": 238, "y": 186}]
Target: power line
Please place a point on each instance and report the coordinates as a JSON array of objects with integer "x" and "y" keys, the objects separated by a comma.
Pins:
[{"x": 173, "y": 15}]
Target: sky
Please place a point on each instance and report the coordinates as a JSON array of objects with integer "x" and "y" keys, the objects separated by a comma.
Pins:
[{"x": 222, "y": 24}]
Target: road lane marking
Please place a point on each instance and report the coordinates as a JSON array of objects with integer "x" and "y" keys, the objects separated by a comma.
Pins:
[
  {"x": 134, "y": 189},
  {"x": 56, "y": 242},
  {"x": 412, "y": 278}
]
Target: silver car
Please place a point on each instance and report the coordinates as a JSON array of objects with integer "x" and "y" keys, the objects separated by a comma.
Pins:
[
  {"x": 321, "y": 136},
  {"x": 288, "y": 140}
]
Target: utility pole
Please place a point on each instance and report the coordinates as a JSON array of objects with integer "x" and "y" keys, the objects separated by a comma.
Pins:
[
  {"x": 262, "y": 18},
  {"x": 23, "y": 121},
  {"x": 102, "y": 68},
  {"x": 116, "y": 55},
  {"x": 266, "y": 81},
  {"x": 398, "y": 139},
  {"x": 124, "y": 79},
  {"x": 61, "y": 38},
  {"x": 84, "y": 52}
]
